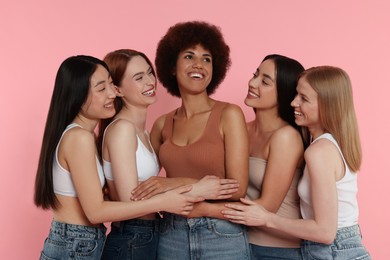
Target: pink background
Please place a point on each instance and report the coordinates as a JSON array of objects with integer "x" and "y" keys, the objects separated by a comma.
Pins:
[{"x": 36, "y": 36}]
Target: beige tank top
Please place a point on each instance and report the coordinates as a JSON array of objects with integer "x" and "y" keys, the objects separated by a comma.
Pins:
[{"x": 289, "y": 208}]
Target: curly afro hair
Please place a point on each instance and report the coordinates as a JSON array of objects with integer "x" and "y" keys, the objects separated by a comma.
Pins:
[{"x": 186, "y": 35}]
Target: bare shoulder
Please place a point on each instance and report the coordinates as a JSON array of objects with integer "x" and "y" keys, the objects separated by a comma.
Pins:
[
  {"x": 121, "y": 127},
  {"x": 322, "y": 149},
  {"x": 232, "y": 110},
  {"x": 287, "y": 134},
  {"x": 159, "y": 123},
  {"x": 78, "y": 137},
  {"x": 232, "y": 114},
  {"x": 75, "y": 142}
]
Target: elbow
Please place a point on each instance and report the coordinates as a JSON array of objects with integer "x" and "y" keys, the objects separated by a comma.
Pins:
[
  {"x": 241, "y": 193},
  {"x": 326, "y": 236},
  {"x": 94, "y": 218}
]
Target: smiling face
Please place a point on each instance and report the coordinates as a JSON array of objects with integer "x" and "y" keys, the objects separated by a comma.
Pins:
[
  {"x": 138, "y": 86},
  {"x": 262, "y": 92},
  {"x": 101, "y": 95},
  {"x": 306, "y": 109},
  {"x": 194, "y": 69}
]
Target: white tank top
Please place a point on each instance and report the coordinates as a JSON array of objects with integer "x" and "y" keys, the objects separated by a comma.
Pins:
[
  {"x": 147, "y": 162},
  {"x": 348, "y": 210},
  {"x": 62, "y": 181}
]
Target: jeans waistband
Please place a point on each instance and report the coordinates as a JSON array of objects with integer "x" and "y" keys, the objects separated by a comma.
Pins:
[
  {"x": 178, "y": 220},
  {"x": 341, "y": 233},
  {"x": 153, "y": 223},
  {"x": 80, "y": 231}
]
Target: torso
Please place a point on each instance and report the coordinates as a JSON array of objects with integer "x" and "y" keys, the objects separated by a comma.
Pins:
[
  {"x": 198, "y": 154},
  {"x": 70, "y": 210}
]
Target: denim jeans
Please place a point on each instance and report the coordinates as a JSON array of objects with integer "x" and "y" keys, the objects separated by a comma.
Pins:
[
  {"x": 347, "y": 245},
  {"x": 201, "y": 238},
  {"x": 134, "y": 239},
  {"x": 272, "y": 253},
  {"x": 68, "y": 241}
]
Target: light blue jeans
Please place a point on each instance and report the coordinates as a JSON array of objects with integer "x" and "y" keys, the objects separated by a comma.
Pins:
[
  {"x": 201, "y": 238},
  {"x": 68, "y": 241},
  {"x": 269, "y": 253},
  {"x": 347, "y": 245},
  {"x": 134, "y": 239}
]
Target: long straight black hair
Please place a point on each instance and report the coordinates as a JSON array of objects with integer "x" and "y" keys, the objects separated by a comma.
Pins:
[
  {"x": 287, "y": 74},
  {"x": 70, "y": 93}
]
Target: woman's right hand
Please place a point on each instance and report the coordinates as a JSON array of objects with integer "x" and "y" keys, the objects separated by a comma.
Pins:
[
  {"x": 211, "y": 187},
  {"x": 177, "y": 202}
]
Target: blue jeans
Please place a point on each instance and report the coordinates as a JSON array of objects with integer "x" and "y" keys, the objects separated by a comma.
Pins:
[
  {"x": 201, "y": 238},
  {"x": 347, "y": 245},
  {"x": 68, "y": 241},
  {"x": 131, "y": 240},
  {"x": 269, "y": 253}
]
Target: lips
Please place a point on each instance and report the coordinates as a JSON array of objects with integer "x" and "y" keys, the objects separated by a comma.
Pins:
[
  {"x": 196, "y": 75},
  {"x": 296, "y": 113},
  {"x": 109, "y": 105},
  {"x": 252, "y": 95},
  {"x": 149, "y": 92}
]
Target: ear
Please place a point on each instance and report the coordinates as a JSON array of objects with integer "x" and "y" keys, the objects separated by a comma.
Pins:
[
  {"x": 118, "y": 92},
  {"x": 174, "y": 71}
]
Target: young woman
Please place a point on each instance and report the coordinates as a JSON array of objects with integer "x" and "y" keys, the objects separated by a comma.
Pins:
[
  {"x": 70, "y": 177},
  {"x": 201, "y": 137},
  {"x": 276, "y": 153},
  {"x": 328, "y": 188}
]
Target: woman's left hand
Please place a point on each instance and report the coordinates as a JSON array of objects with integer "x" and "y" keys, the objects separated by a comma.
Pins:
[{"x": 248, "y": 213}]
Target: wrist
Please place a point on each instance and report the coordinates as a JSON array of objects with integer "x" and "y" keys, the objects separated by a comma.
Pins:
[{"x": 270, "y": 220}]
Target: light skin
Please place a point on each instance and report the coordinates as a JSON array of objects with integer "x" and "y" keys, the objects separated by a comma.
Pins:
[
  {"x": 137, "y": 90},
  {"x": 77, "y": 154},
  {"x": 271, "y": 138},
  {"x": 194, "y": 72},
  {"x": 324, "y": 166}
]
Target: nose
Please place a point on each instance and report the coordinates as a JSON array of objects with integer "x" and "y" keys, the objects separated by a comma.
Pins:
[
  {"x": 111, "y": 91},
  {"x": 294, "y": 103},
  {"x": 151, "y": 80},
  {"x": 197, "y": 63}
]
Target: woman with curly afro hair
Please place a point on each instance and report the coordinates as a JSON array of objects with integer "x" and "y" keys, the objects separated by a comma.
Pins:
[{"x": 204, "y": 142}]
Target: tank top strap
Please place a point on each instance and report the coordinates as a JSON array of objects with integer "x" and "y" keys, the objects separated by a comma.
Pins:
[
  {"x": 212, "y": 127},
  {"x": 168, "y": 125}
]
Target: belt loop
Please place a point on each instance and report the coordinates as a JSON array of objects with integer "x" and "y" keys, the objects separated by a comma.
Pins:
[
  {"x": 171, "y": 220},
  {"x": 209, "y": 226},
  {"x": 156, "y": 224},
  {"x": 121, "y": 226},
  {"x": 63, "y": 229}
]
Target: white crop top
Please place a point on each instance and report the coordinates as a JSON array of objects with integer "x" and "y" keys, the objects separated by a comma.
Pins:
[
  {"x": 62, "y": 180},
  {"x": 348, "y": 211},
  {"x": 147, "y": 163}
]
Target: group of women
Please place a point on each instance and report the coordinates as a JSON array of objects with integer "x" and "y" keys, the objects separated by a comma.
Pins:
[{"x": 282, "y": 186}]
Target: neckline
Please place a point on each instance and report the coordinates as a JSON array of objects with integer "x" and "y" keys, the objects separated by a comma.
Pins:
[{"x": 201, "y": 136}]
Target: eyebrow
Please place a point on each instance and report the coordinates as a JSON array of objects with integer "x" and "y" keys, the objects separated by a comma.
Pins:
[
  {"x": 268, "y": 77},
  {"x": 191, "y": 52},
  {"x": 102, "y": 81},
  {"x": 99, "y": 83},
  {"x": 141, "y": 72}
]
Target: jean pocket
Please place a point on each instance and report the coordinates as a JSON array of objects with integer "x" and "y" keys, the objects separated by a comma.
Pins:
[
  {"x": 318, "y": 251},
  {"x": 85, "y": 247},
  {"x": 44, "y": 257},
  {"x": 227, "y": 229},
  {"x": 54, "y": 248}
]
